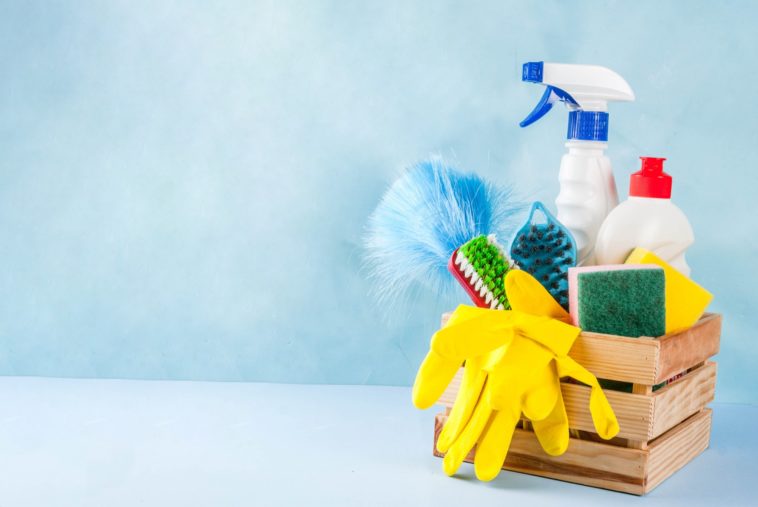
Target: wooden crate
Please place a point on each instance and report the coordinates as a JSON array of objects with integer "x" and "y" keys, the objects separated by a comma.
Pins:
[{"x": 660, "y": 431}]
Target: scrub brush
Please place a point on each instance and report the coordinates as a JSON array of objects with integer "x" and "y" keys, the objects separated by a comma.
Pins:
[
  {"x": 546, "y": 249},
  {"x": 480, "y": 266}
]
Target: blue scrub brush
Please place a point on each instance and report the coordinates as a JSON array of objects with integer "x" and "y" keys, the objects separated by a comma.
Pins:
[
  {"x": 546, "y": 249},
  {"x": 428, "y": 213}
]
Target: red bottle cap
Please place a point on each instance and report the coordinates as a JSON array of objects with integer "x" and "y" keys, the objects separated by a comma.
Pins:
[{"x": 650, "y": 180}]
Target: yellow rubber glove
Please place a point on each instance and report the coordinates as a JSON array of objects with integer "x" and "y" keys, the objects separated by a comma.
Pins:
[
  {"x": 531, "y": 297},
  {"x": 502, "y": 365},
  {"x": 526, "y": 294},
  {"x": 516, "y": 384},
  {"x": 514, "y": 360},
  {"x": 449, "y": 349}
]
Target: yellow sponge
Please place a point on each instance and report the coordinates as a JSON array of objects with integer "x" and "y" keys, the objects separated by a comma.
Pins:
[{"x": 685, "y": 300}]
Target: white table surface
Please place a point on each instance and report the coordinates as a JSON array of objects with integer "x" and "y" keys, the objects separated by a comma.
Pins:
[{"x": 73, "y": 442}]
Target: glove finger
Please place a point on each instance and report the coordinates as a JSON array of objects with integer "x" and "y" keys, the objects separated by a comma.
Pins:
[
  {"x": 603, "y": 417},
  {"x": 494, "y": 444},
  {"x": 468, "y": 437},
  {"x": 528, "y": 295},
  {"x": 465, "y": 401},
  {"x": 540, "y": 398},
  {"x": 553, "y": 431},
  {"x": 433, "y": 377}
]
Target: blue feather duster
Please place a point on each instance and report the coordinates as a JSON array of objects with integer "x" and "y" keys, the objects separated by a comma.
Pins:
[{"x": 431, "y": 210}]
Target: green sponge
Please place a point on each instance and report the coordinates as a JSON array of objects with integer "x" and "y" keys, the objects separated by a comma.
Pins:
[{"x": 622, "y": 299}]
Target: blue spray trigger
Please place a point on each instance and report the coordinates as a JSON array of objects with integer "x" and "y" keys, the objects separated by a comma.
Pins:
[{"x": 550, "y": 97}]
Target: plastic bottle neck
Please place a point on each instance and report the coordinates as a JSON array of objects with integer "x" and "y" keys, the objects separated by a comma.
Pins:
[
  {"x": 649, "y": 199},
  {"x": 586, "y": 148}
]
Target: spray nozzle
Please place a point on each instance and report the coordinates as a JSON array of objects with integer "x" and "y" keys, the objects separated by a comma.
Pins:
[{"x": 586, "y": 91}]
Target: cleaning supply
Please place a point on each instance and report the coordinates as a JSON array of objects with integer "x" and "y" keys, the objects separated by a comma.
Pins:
[
  {"x": 427, "y": 213},
  {"x": 623, "y": 299},
  {"x": 480, "y": 266},
  {"x": 588, "y": 189},
  {"x": 546, "y": 249},
  {"x": 648, "y": 219},
  {"x": 513, "y": 364},
  {"x": 685, "y": 300}
]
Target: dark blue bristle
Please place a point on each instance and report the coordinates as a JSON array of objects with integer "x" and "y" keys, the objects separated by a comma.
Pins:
[{"x": 540, "y": 251}]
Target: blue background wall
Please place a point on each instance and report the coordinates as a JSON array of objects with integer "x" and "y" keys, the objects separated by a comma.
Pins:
[{"x": 183, "y": 187}]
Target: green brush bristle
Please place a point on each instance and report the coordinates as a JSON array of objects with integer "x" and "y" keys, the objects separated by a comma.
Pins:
[{"x": 490, "y": 264}]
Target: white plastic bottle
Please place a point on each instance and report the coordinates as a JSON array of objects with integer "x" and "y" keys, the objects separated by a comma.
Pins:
[
  {"x": 647, "y": 219},
  {"x": 588, "y": 189},
  {"x": 587, "y": 195}
]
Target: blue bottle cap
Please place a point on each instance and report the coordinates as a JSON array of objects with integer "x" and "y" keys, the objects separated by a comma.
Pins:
[{"x": 588, "y": 126}]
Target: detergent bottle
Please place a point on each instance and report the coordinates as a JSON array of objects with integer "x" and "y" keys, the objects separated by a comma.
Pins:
[
  {"x": 648, "y": 219},
  {"x": 588, "y": 189}
]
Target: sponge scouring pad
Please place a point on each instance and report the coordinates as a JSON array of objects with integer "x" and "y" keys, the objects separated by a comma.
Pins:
[
  {"x": 685, "y": 300},
  {"x": 620, "y": 299}
]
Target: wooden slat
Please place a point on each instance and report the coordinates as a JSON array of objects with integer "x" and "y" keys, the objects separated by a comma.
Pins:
[
  {"x": 684, "y": 350},
  {"x": 646, "y": 361},
  {"x": 678, "y": 447},
  {"x": 616, "y": 357},
  {"x": 647, "y": 390},
  {"x": 682, "y": 398},
  {"x": 641, "y": 417},
  {"x": 589, "y": 463},
  {"x": 606, "y": 466},
  {"x": 633, "y": 411}
]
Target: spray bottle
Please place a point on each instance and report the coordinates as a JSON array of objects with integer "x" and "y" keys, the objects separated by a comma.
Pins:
[{"x": 588, "y": 189}]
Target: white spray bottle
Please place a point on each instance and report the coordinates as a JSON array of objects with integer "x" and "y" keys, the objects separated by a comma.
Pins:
[{"x": 588, "y": 189}]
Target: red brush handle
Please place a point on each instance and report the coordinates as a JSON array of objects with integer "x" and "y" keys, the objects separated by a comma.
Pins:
[{"x": 458, "y": 274}]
